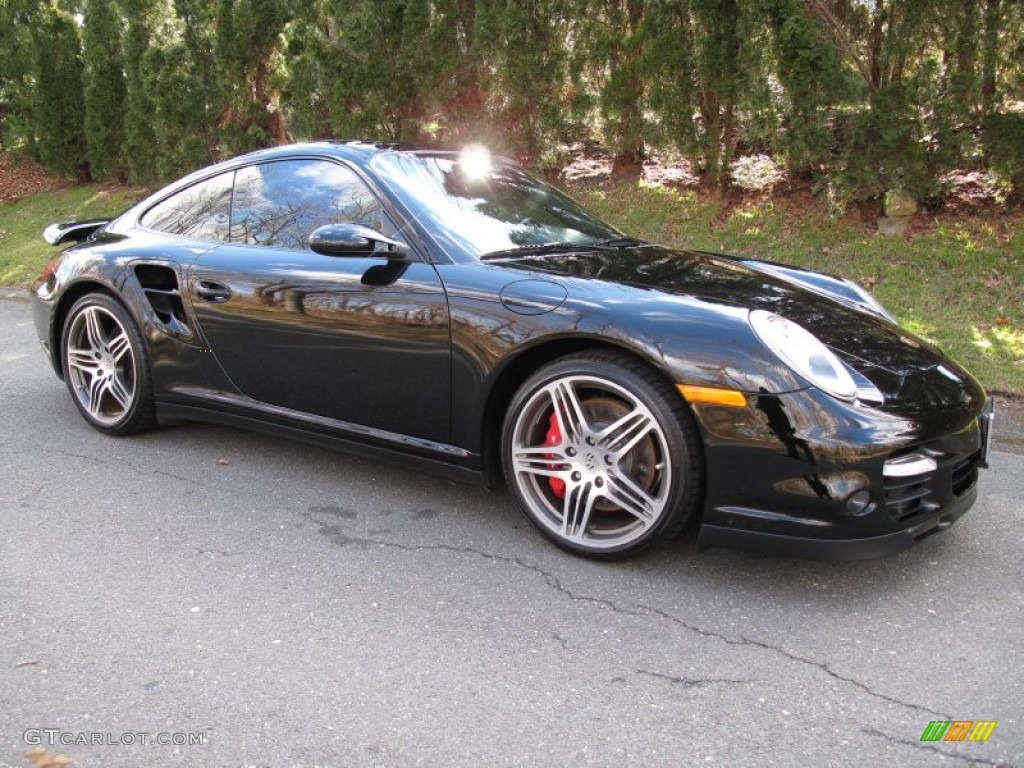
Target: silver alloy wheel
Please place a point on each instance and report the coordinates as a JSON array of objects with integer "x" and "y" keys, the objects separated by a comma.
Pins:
[
  {"x": 611, "y": 454},
  {"x": 101, "y": 364}
]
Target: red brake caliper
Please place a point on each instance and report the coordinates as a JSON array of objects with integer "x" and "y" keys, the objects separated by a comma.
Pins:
[{"x": 554, "y": 437}]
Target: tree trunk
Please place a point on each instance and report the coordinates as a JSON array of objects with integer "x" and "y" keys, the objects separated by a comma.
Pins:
[
  {"x": 629, "y": 144},
  {"x": 629, "y": 153},
  {"x": 731, "y": 88},
  {"x": 268, "y": 101},
  {"x": 990, "y": 55},
  {"x": 877, "y": 38}
]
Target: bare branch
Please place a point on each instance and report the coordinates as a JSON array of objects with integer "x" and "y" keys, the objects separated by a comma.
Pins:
[{"x": 820, "y": 10}]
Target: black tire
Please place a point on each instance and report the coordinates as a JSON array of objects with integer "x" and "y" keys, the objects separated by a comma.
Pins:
[
  {"x": 106, "y": 366},
  {"x": 622, "y": 444}
]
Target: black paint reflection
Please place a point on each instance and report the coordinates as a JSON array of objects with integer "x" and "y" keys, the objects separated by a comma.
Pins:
[
  {"x": 356, "y": 339},
  {"x": 783, "y": 429}
]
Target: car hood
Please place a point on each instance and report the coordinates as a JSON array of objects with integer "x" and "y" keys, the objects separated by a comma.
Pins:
[{"x": 907, "y": 369}]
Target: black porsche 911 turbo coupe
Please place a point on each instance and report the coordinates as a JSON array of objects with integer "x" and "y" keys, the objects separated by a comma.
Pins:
[{"x": 451, "y": 309}]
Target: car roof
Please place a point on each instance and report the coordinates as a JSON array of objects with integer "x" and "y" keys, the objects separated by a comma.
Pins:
[{"x": 356, "y": 150}]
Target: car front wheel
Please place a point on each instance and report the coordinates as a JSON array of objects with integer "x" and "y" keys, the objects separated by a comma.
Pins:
[
  {"x": 602, "y": 455},
  {"x": 106, "y": 367}
]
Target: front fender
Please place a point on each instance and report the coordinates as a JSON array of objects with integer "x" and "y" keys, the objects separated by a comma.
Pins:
[{"x": 690, "y": 340}]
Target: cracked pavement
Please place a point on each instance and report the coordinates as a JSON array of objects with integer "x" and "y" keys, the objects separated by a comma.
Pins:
[{"x": 300, "y": 607}]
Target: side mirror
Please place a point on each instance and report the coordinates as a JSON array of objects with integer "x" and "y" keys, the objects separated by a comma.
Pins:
[{"x": 354, "y": 240}]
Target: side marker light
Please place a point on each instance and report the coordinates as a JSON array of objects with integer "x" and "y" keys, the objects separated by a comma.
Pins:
[{"x": 712, "y": 395}]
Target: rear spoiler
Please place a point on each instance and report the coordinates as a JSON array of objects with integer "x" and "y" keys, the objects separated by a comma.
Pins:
[{"x": 72, "y": 231}]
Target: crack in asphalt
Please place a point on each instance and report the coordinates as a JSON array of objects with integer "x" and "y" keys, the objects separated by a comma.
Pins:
[
  {"x": 824, "y": 667},
  {"x": 564, "y": 642},
  {"x": 103, "y": 462},
  {"x": 339, "y": 535},
  {"x": 689, "y": 682},
  {"x": 929, "y": 748}
]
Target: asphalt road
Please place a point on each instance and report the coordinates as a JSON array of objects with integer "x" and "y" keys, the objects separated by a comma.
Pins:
[{"x": 297, "y": 607}]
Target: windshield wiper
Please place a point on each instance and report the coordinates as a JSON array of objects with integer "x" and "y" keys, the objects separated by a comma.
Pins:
[
  {"x": 609, "y": 244},
  {"x": 615, "y": 243}
]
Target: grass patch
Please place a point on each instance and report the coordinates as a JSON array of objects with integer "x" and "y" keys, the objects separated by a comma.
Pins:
[
  {"x": 959, "y": 283},
  {"x": 23, "y": 253}
]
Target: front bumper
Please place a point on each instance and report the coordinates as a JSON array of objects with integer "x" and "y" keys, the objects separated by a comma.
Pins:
[
  {"x": 837, "y": 549},
  {"x": 784, "y": 475}
]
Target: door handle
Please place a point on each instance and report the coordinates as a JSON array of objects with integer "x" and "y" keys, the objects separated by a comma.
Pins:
[{"x": 207, "y": 290}]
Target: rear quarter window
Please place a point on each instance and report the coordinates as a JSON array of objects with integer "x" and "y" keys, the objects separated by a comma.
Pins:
[{"x": 200, "y": 212}]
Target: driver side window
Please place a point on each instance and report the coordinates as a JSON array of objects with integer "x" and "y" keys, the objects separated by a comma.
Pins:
[{"x": 280, "y": 203}]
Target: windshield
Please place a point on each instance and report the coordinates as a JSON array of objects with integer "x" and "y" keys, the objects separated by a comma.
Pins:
[{"x": 486, "y": 207}]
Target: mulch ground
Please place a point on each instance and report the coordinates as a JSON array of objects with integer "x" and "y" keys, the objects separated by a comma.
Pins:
[{"x": 21, "y": 176}]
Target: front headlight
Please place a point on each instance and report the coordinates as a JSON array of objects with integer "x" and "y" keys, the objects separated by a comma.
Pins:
[{"x": 804, "y": 353}]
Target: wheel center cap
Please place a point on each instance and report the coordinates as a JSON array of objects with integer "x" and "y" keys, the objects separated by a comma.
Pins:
[{"x": 590, "y": 461}]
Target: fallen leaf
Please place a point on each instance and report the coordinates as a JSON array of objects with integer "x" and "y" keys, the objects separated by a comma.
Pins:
[
  {"x": 994, "y": 281},
  {"x": 870, "y": 282},
  {"x": 1002, "y": 320},
  {"x": 40, "y": 758}
]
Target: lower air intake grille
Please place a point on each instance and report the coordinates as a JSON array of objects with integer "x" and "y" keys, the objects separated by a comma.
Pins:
[
  {"x": 965, "y": 473},
  {"x": 912, "y": 495},
  {"x": 907, "y": 497}
]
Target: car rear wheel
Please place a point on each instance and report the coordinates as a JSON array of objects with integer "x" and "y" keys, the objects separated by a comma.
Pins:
[
  {"x": 602, "y": 455},
  {"x": 106, "y": 367}
]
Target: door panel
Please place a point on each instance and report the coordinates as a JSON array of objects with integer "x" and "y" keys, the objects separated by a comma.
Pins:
[{"x": 362, "y": 340}]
